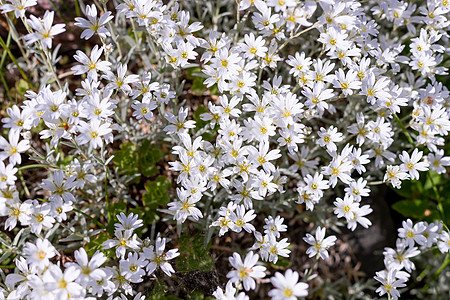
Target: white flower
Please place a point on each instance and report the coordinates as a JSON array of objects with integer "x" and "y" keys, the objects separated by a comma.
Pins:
[
  {"x": 315, "y": 185},
  {"x": 357, "y": 189},
  {"x": 185, "y": 207},
  {"x": 17, "y": 120},
  {"x": 300, "y": 63},
  {"x": 230, "y": 291},
  {"x": 158, "y": 258},
  {"x": 178, "y": 124},
  {"x": 18, "y": 211},
  {"x": 18, "y": 6},
  {"x": 241, "y": 219},
  {"x": 412, "y": 233},
  {"x": 395, "y": 175},
  {"x": 44, "y": 29},
  {"x": 90, "y": 64},
  {"x": 38, "y": 254},
  {"x": 437, "y": 161},
  {"x": 92, "y": 24},
  {"x": 275, "y": 248},
  {"x": 444, "y": 242},
  {"x": 253, "y": 46},
  {"x": 319, "y": 243},
  {"x": 59, "y": 187},
  {"x": 287, "y": 286},
  {"x": 328, "y": 138},
  {"x": 11, "y": 149},
  {"x": 130, "y": 222},
  {"x": 246, "y": 271},
  {"x": 412, "y": 164},
  {"x": 132, "y": 267},
  {"x": 89, "y": 270},
  {"x": 399, "y": 258},
  {"x": 390, "y": 283},
  {"x": 121, "y": 80},
  {"x": 93, "y": 132},
  {"x": 274, "y": 226},
  {"x": 7, "y": 175},
  {"x": 345, "y": 207},
  {"x": 41, "y": 218},
  {"x": 124, "y": 240},
  {"x": 61, "y": 284}
]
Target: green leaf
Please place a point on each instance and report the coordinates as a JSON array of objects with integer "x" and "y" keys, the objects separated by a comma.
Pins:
[
  {"x": 198, "y": 88},
  {"x": 411, "y": 208},
  {"x": 410, "y": 189},
  {"x": 155, "y": 197},
  {"x": 435, "y": 179},
  {"x": 199, "y": 123},
  {"x": 198, "y": 296},
  {"x": 160, "y": 291},
  {"x": 126, "y": 159},
  {"x": 95, "y": 244},
  {"x": 22, "y": 86},
  {"x": 194, "y": 257},
  {"x": 148, "y": 157},
  {"x": 283, "y": 262}
]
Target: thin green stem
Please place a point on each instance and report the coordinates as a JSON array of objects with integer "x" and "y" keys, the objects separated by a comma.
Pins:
[
  {"x": 405, "y": 132},
  {"x": 25, "y": 188},
  {"x": 295, "y": 35},
  {"x": 90, "y": 218},
  {"x": 22, "y": 73},
  {"x": 50, "y": 65},
  {"x": 438, "y": 197},
  {"x": 138, "y": 41},
  {"x": 444, "y": 264},
  {"x": 33, "y": 166},
  {"x": 108, "y": 204},
  {"x": 5, "y": 84},
  {"x": 77, "y": 8},
  {"x": 436, "y": 192},
  {"x": 7, "y": 266}
]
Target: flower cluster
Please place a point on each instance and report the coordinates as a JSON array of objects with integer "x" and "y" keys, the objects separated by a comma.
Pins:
[
  {"x": 309, "y": 105},
  {"x": 412, "y": 240}
]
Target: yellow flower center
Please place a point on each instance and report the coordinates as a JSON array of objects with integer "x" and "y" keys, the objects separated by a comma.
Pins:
[
  {"x": 288, "y": 292},
  {"x": 42, "y": 254},
  {"x": 62, "y": 284},
  {"x": 39, "y": 218}
]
